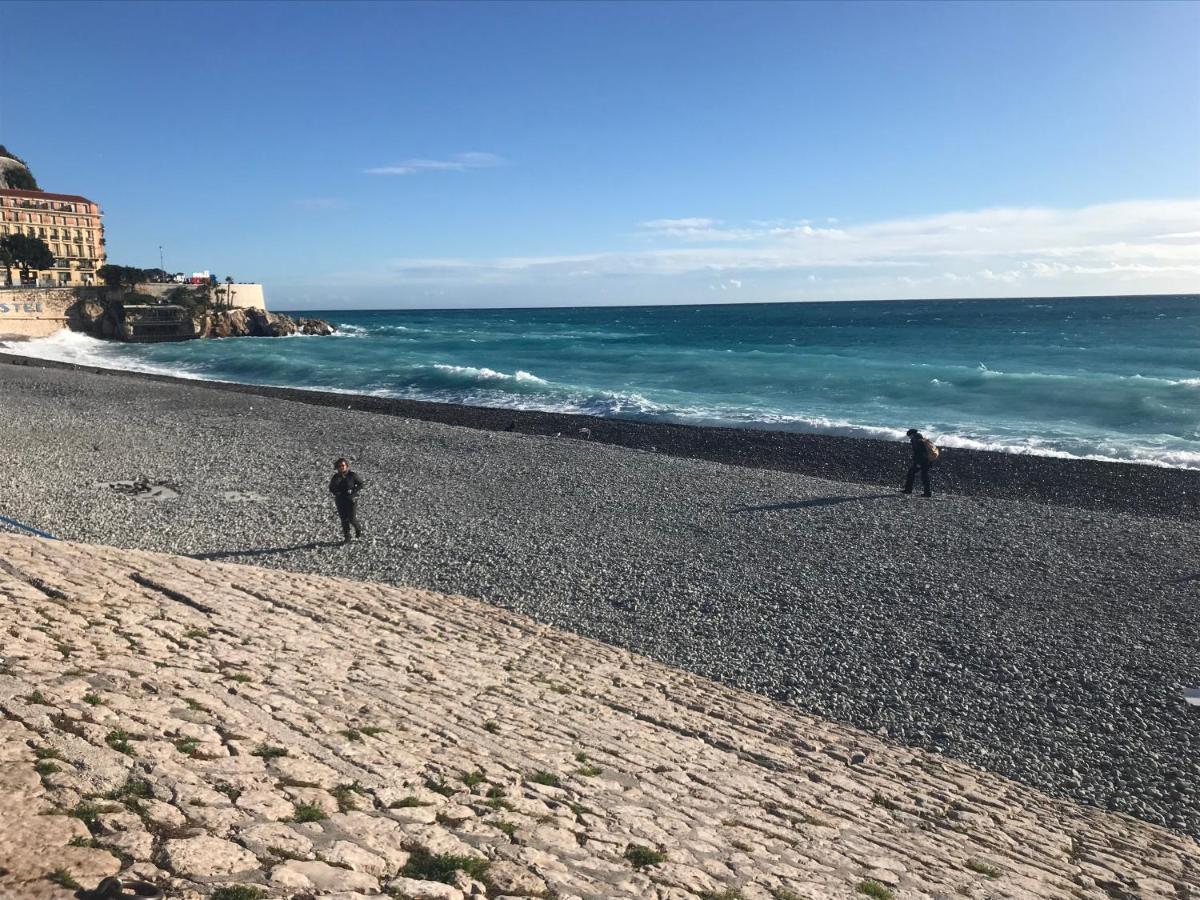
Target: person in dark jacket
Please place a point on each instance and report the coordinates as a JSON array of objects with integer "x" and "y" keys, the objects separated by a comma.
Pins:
[
  {"x": 345, "y": 486},
  {"x": 922, "y": 459}
]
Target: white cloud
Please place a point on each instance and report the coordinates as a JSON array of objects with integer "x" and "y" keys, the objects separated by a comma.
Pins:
[
  {"x": 460, "y": 162},
  {"x": 1130, "y": 247}
]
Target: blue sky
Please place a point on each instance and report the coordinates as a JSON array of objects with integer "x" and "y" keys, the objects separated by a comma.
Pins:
[{"x": 408, "y": 154}]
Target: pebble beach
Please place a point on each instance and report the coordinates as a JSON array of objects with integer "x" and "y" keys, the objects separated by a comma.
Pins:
[{"x": 1037, "y": 618}]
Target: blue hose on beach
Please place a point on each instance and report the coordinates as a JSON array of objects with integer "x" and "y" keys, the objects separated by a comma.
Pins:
[{"x": 7, "y": 521}]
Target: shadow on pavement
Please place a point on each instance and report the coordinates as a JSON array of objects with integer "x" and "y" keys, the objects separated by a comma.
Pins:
[
  {"x": 814, "y": 502},
  {"x": 266, "y": 551}
]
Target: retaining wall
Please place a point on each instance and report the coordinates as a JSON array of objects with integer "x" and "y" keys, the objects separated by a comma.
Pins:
[{"x": 35, "y": 312}]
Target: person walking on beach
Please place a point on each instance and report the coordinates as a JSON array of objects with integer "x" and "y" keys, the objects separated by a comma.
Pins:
[
  {"x": 923, "y": 456},
  {"x": 345, "y": 486}
]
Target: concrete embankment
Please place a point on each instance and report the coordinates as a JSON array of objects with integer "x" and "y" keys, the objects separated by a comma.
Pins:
[{"x": 204, "y": 726}]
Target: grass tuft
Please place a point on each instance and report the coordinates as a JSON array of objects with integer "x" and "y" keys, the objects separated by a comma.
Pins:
[
  {"x": 238, "y": 892},
  {"x": 266, "y": 751},
  {"x": 132, "y": 790},
  {"x": 589, "y": 771},
  {"x": 641, "y": 856},
  {"x": 440, "y": 787},
  {"x": 92, "y": 699},
  {"x": 46, "y": 767},
  {"x": 443, "y": 867},
  {"x": 874, "y": 889},
  {"x": 118, "y": 740},
  {"x": 63, "y": 878},
  {"x": 983, "y": 868},
  {"x": 308, "y": 812},
  {"x": 187, "y": 746},
  {"x": 471, "y": 779},
  {"x": 546, "y": 778},
  {"x": 344, "y": 794}
]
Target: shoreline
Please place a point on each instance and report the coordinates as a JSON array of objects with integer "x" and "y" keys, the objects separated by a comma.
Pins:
[{"x": 1081, "y": 483}]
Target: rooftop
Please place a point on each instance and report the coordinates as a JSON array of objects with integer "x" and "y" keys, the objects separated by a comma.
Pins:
[{"x": 41, "y": 195}]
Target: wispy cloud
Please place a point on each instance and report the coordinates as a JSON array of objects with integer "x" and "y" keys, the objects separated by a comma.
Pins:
[
  {"x": 1131, "y": 247},
  {"x": 460, "y": 162}
]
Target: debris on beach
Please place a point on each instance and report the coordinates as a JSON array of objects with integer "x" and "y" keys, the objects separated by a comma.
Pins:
[{"x": 142, "y": 488}]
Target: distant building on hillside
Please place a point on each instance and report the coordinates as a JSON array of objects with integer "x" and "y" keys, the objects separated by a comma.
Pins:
[{"x": 69, "y": 224}]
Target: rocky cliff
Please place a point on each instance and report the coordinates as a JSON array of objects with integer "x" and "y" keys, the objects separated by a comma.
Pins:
[
  {"x": 256, "y": 323},
  {"x": 106, "y": 320}
]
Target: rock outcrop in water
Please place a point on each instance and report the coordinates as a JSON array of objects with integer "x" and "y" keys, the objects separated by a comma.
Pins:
[
  {"x": 256, "y": 323},
  {"x": 111, "y": 320}
]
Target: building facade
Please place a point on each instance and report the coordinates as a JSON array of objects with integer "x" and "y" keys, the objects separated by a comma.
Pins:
[{"x": 71, "y": 227}]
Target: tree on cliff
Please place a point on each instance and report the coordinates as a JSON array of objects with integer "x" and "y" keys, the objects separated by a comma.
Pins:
[
  {"x": 121, "y": 276},
  {"x": 18, "y": 177},
  {"x": 26, "y": 253}
]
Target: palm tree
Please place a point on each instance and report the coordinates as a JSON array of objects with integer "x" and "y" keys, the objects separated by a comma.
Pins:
[{"x": 229, "y": 291}]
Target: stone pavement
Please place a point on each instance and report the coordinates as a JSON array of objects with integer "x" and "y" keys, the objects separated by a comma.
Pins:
[{"x": 213, "y": 727}]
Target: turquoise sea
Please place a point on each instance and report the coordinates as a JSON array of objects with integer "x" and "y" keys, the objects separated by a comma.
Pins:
[{"x": 1112, "y": 378}]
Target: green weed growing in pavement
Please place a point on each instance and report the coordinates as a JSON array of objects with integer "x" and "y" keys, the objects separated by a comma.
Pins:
[
  {"x": 443, "y": 867},
  {"x": 187, "y": 746},
  {"x": 118, "y": 740},
  {"x": 983, "y": 868},
  {"x": 132, "y": 790},
  {"x": 87, "y": 813},
  {"x": 308, "y": 812},
  {"x": 63, "y": 878},
  {"x": 92, "y": 699},
  {"x": 874, "y": 889},
  {"x": 506, "y": 826},
  {"x": 439, "y": 787},
  {"x": 344, "y": 794},
  {"x": 238, "y": 892},
  {"x": 641, "y": 856}
]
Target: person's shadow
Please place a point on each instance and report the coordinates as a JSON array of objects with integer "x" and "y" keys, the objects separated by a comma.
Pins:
[
  {"x": 811, "y": 503},
  {"x": 266, "y": 551}
]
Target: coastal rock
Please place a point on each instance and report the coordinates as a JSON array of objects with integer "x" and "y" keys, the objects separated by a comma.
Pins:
[{"x": 257, "y": 323}]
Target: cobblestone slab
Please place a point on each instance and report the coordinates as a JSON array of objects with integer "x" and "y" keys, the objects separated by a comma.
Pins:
[{"x": 206, "y": 726}]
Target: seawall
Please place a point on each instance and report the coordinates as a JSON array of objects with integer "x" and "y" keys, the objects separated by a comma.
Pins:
[{"x": 37, "y": 312}]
